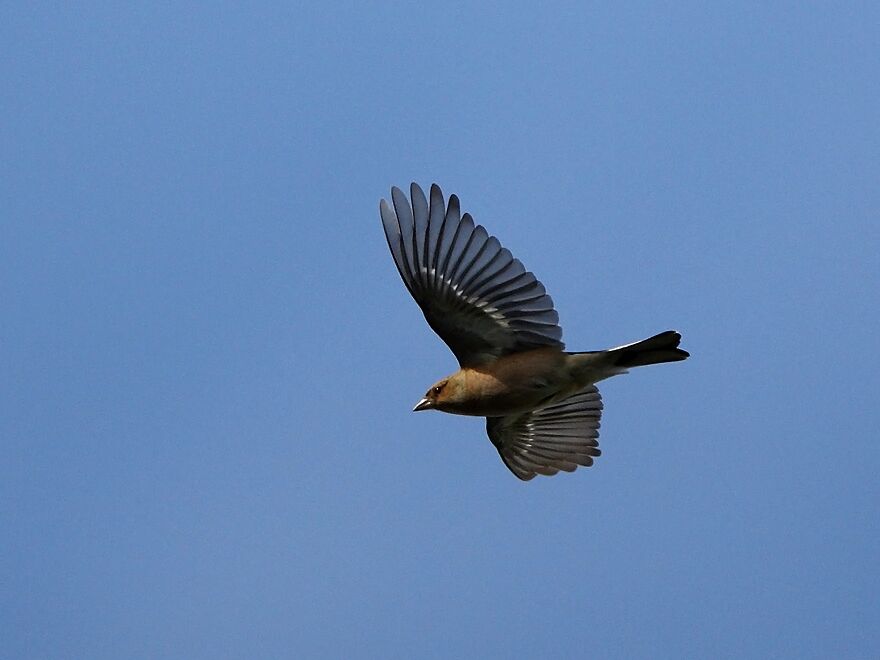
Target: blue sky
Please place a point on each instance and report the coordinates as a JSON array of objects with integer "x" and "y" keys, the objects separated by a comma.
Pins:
[{"x": 209, "y": 361}]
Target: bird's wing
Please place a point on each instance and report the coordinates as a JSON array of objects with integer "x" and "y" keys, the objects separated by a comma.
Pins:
[
  {"x": 545, "y": 441},
  {"x": 480, "y": 300}
]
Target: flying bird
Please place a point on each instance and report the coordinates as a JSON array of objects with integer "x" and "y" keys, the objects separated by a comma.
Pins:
[{"x": 541, "y": 404}]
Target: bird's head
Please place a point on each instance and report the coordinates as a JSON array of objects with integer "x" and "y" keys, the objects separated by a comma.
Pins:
[{"x": 442, "y": 395}]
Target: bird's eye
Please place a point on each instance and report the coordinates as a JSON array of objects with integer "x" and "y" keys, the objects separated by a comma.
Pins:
[{"x": 436, "y": 389}]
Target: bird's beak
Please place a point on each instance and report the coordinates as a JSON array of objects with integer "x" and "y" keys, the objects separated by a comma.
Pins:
[{"x": 424, "y": 404}]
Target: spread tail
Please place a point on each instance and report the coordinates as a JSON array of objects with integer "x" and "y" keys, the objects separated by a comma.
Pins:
[{"x": 654, "y": 350}]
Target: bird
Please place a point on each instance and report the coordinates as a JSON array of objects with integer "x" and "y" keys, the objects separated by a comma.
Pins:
[{"x": 541, "y": 404}]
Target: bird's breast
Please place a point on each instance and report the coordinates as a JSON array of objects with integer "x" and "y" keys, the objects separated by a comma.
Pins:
[{"x": 515, "y": 383}]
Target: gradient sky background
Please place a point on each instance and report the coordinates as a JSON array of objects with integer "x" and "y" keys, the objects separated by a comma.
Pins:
[{"x": 208, "y": 359}]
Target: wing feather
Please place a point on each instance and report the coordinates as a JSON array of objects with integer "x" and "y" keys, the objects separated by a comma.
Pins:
[
  {"x": 561, "y": 436},
  {"x": 474, "y": 294}
]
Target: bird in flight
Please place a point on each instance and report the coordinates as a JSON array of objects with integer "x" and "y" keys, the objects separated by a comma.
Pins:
[{"x": 540, "y": 402}]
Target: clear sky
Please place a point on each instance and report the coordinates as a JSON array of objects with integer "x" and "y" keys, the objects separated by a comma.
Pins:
[{"x": 208, "y": 360}]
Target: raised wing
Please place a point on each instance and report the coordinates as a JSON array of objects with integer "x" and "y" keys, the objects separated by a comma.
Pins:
[
  {"x": 480, "y": 300},
  {"x": 559, "y": 437}
]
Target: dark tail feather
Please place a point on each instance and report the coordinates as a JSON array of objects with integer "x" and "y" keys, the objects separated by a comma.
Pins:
[{"x": 654, "y": 350}]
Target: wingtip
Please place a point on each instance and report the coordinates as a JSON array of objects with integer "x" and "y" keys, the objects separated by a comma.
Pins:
[
  {"x": 415, "y": 189},
  {"x": 387, "y": 213}
]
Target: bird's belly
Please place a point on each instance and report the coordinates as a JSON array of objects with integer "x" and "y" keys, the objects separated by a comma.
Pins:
[
  {"x": 514, "y": 384},
  {"x": 498, "y": 401},
  {"x": 492, "y": 407}
]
